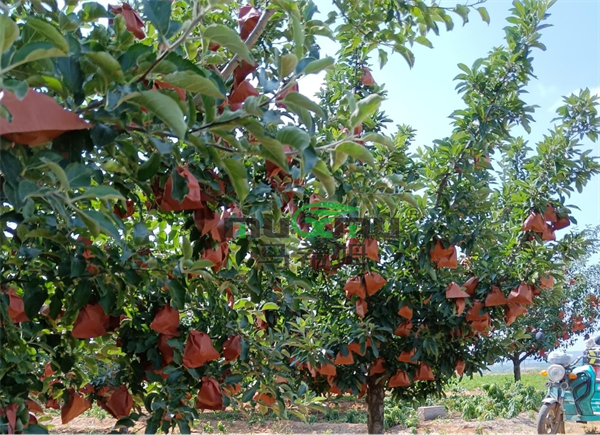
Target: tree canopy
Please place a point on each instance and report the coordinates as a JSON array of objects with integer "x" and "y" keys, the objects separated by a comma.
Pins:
[{"x": 154, "y": 153}]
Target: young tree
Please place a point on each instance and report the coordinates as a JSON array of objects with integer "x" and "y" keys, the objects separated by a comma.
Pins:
[
  {"x": 132, "y": 138},
  {"x": 135, "y": 139},
  {"x": 568, "y": 315}
]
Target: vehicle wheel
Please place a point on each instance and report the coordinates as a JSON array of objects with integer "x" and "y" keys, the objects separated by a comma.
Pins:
[{"x": 550, "y": 419}]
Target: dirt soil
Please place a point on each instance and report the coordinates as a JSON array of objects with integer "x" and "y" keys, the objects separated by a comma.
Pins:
[{"x": 523, "y": 424}]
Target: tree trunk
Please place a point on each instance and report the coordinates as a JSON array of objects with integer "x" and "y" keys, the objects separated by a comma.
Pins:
[
  {"x": 375, "y": 407},
  {"x": 516, "y": 367}
]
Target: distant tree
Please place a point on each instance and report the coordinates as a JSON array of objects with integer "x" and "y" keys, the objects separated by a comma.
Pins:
[{"x": 568, "y": 314}]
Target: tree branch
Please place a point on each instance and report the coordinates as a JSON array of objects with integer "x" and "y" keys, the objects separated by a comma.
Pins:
[
  {"x": 170, "y": 48},
  {"x": 250, "y": 42}
]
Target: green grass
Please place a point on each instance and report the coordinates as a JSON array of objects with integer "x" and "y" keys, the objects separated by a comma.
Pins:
[{"x": 470, "y": 384}]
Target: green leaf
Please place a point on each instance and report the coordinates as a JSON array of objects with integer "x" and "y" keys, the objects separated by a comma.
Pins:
[
  {"x": 237, "y": 174},
  {"x": 424, "y": 41},
  {"x": 35, "y": 429},
  {"x": 91, "y": 11},
  {"x": 36, "y": 51},
  {"x": 294, "y": 137},
  {"x": 177, "y": 292},
  {"x": 365, "y": 108},
  {"x": 463, "y": 11},
  {"x": 179, "y": 187},
  {"x": 59, "y": 173},
  {"x": 10, "y": 167},
  {"x": 9, "y": 33},
  {"x": 140, "y": 233},
  {"x": 270, "y": 306},
  {"x": 194, "y": 83},
  {"x": 406, "y": 54},
  {"x": 298, "y": 35},
  {"x": 100, "y": 192},
  {"x": 324, "y": 176},
  {"x": 104, "y": 223},
  {"x": 108, "y": 64},
  {"x": 409, "y": 198},
  {"x": 33, "y": 299},
  {"x": 355, "y": 150},
  {"x": 50, "y": 33},
  {"x": 229, "y": 39},
  {"x": 275, "y": 151},
  {"x": 159, "y": 14},
  {"x": 165, "y": 108},
  {"x": 287, "y": 64},
  {"x": 90, "y": 223},
  {"x": 383, "y": 58},
  {"x": 304, "y": 102},
  {"x": 316, "y": 66},
  {"x": 149, "y": 168},
  {"x": 484, "y": 14},
  {"x": 380, "y": 139}
]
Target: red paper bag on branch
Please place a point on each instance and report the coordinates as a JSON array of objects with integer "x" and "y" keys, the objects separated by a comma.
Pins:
[
  {"x": 232, "y": 348},
  {"x": 355, "y": 286},
  {"x": 444, "y": 257},
  {"x": 374, "y": 282},
  {"x": 403, "y": 329},
  {"x": 407, "y": 355},
  {"x": 327, "y": 370},
  {"x": 165, "y": 350},
  {"x": 471, "y": 285},
  {"x": 198, "y": 350},
  {"x": 495, "y": 297},
  {"x": 91, "y": 322},
  {"x": 75, "y": 406},
  {"x": 209, "y": 396},
  {"x": 400, "y": 379},
  {"x": 248, "y": 17},
  {"x": 341, "y": 360},
  {"x": 16, "y": 308},
  {"x": 264, "y": 398},
  {"x": 367, "y": 78},
  {"x": 239, "y": 94},
  {"x": 561, "y": 223},
  {"x": 512, "y": 311},
  {"x": 36, "y": 119},
  {"x": 453, "y": 291},
  {"x": 372, "y": 249},
  {"x": 460, "y": 367},
  {"x": 191, "y": 201},
  {"x": 521, "y": 295},
  {"x": 547, "y": 281},
  {"x": 424, "y": 373},
  {"x": 133, "y": 21},
  {"x": 406, "y": 312},
  {"x": 534, "y": 222},
  {"x": 377, "y": 366},
  {"x": 120, "y": 403},
  {"x": 361, "y": 308},
  {"x": 550, "y": 213},
  {"x": 166, "y": 321}
]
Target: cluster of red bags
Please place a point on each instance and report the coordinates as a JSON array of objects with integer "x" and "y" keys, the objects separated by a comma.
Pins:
[{"x": 443, "y": 257}]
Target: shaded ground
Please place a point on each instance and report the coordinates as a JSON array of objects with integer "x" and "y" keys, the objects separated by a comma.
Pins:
[{"x": 523, "y": 424}]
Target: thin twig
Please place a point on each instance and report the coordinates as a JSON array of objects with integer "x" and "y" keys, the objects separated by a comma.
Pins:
[
  {"x": 250, "y": 42},
  {"x": 170, "y": 48}
]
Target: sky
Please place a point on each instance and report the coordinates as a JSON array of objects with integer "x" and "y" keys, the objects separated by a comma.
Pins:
[{"x": 424, "y": 96}]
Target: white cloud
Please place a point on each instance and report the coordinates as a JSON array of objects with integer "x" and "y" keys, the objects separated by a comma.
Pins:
[{"x": 311, "y": 84}]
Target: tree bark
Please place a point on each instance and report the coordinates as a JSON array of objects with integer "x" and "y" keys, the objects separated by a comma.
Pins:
[
  {"x": 375, "y": 407},
  {"x": 516, "y": 367}
]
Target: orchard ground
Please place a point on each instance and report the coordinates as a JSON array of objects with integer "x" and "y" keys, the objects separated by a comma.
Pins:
[{"x": 472, "y": 409}]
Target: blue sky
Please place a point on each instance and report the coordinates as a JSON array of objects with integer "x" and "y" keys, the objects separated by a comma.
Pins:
[{"x": 424, "y": 96}]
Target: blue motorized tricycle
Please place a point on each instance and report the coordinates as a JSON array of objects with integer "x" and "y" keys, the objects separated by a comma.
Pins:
[{"x": 573, "y": 390}]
